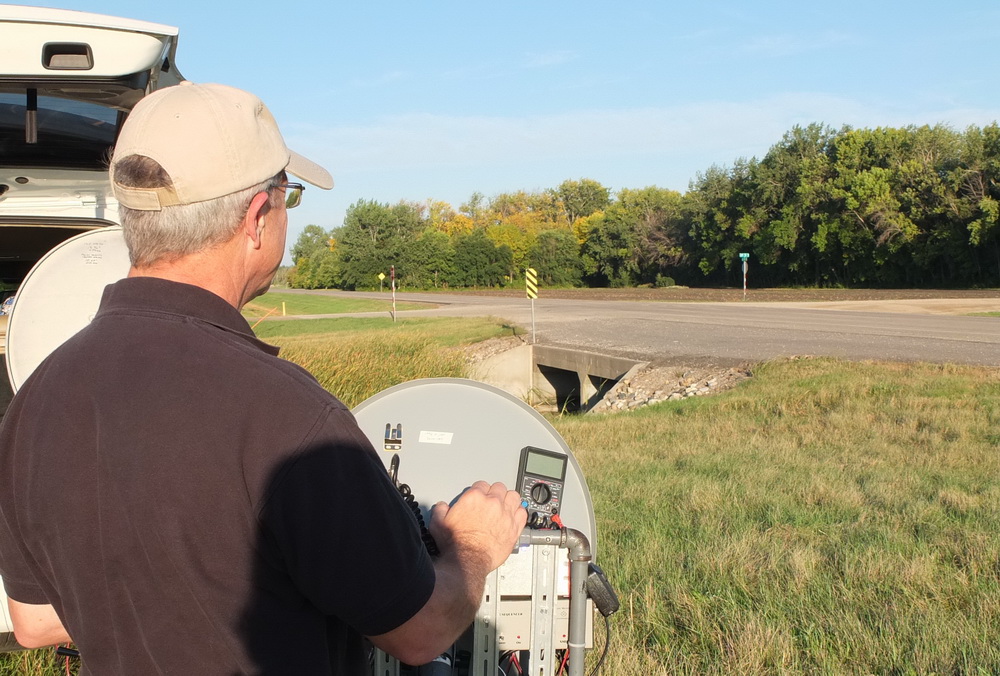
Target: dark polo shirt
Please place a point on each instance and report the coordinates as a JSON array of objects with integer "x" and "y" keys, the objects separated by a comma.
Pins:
[{"x": 192, "y": 504}]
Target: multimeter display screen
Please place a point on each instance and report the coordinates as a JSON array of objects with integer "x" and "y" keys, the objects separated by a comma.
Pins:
[{"x": 545, "y": 465}]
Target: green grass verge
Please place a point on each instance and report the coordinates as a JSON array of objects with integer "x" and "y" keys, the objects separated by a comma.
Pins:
[
  {"x": 444, "y": 331},
  {"x": 270, "y": 304},
  {"x": 825, "y": 517}
]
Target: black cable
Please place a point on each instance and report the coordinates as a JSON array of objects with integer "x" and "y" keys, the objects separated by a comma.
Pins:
[
  {"x": 425, "y": 534},
  {"x": 394, "y": 470},
  {"x": 411, "y": 502},
  {"x": 607, "y": 642}
]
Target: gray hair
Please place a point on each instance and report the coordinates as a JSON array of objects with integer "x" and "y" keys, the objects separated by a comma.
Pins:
[{"x": 177, "y": 231}]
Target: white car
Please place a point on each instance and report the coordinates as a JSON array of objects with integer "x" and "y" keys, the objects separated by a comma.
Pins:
[{"x": 67, "y": 81}]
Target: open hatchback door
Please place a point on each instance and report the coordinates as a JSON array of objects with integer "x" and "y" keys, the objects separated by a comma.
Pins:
[{"x": 67, "y": 82}]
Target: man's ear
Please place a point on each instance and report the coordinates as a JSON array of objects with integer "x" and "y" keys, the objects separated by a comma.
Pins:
[{"x": 253, "y": 219}]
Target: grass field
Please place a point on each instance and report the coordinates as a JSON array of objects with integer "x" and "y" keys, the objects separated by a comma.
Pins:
[
  {"x": 272, "y": 303},
  {"x": 825, "y": 517}
]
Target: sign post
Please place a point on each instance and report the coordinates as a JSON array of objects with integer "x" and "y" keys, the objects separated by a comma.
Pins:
[
  {"x": 746, "y": 266},
  {"x": 531, "y": 290},
  {"x": 392, "y": 283},
  {"x": 381, "y": 277}
]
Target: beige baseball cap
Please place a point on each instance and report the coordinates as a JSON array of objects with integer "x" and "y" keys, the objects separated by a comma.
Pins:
[{"x": 212, "y": 140}]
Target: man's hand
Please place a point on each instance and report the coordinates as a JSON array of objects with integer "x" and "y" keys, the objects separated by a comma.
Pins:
[
  {"x": 484, "y": 523},
  {"x": 475, "y": 536}
]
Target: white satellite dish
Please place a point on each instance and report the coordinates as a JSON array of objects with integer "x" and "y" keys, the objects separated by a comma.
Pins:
[
  {"x": 60, "y": 295},
  {"x": 450, "y": 432}
]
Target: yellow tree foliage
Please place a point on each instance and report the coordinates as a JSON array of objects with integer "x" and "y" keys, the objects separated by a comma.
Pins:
[
  {"x": 538, "y": 210},
  {"x": 439, "y": 213},
  {"x": 459, "y": 224},
  {"x": 527, "y": 222},
  {"x": 518, "y": 239},
  {"x": 582, "y": 226}
]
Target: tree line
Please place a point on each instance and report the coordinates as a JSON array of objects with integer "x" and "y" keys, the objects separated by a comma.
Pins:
[{"x": 885, "y": 207}]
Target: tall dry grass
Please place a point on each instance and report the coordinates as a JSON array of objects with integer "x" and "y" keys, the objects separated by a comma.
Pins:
[
  {"x": 358, "y": 358},
  {"x": 358, "y": 366},
  {"x": 42, "y": 662}
]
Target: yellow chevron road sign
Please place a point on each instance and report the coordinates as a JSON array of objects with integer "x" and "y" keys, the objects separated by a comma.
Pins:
[{"x": 531, "y": 283}]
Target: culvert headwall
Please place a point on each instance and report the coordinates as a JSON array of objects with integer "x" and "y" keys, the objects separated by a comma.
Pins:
[{"x": 555, "y": 378}]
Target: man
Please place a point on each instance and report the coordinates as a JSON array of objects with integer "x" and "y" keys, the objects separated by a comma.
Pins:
[{"x": 179, "y": 500}]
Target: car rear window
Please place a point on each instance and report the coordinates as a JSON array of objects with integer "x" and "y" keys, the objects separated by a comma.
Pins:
[{"x": 71, "y": 133}]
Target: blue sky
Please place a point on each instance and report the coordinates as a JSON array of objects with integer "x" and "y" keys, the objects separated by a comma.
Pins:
[{"x": 416, "y": 100}]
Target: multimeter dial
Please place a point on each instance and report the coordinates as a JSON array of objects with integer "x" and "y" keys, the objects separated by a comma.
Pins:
[{"x": 541, "y": 493}]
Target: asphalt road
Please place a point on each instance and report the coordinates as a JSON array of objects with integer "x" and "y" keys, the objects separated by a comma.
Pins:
[{"x": 733, "y": 333}]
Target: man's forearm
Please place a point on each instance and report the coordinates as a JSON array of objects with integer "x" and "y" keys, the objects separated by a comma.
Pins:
[
  {"x": 458, "y": 591},
  {"x": 36, "y": 625},
  {"x": 461, "y": 580}
]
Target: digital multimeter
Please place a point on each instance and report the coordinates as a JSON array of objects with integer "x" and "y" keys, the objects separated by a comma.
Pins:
[{"x": 540, "y": 479}]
